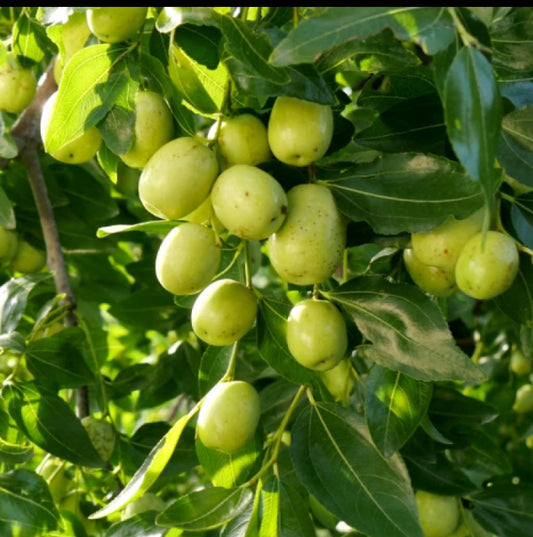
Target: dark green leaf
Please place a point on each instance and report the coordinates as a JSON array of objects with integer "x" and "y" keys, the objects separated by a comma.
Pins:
[
  {"x": 406, "y": 192},
  {"x": 25, "y": 498},
  {"x": 473, "y": 114},
  {"x": 406, "y": 328},
  {"x": 142, "y": 524},
  {"x": 13, "y": 341},
  {"x": 394, "y": 407},
  {"x": 214, "y": 364},
  {"x": 7, "y": 214},
  {"x": 522, "y": 218},
  {"x": 205, "y": 509},
  {"x": 50, "y": 423},
  {"x": 332, "y": 451}
]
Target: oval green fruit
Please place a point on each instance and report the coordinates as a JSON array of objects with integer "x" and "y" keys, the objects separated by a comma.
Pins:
[
  {"x": 27, "y": 258},
  {"x": 177, "y": 178},
  {"x": 434, "y": 280},
  {"x": 441, "y": 246},
  {"x": 154, "y": 127},
  {"x": 77, "y": 151},
  {"x": 487, "y": 266},
  {"x": 308, "y": 247},
  {"x": 249, "y": 202},
  {"x": 242, "y": 139},
  {"x": 316, "y": 334},
  {"x": 17, "y": 85},
  {"x": 339, "y": 381},
  {"x": 8, "y": 244},
  {"x": 519, "y": 363},
  {"x": 116, "y": 24},
  {"x": 439, "y": 515},
  {"x": 299, "y": 131},
  {"x": 188, "y": 259},
  {"x": 523, "y": 402},
  {"x": 224, "y": 312},
  {"x": 229, "y": 416}
]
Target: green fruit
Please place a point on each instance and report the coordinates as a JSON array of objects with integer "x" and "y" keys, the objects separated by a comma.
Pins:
[
  {"x": 17, "y": 85},
  {"x": 147, "y": 502},
  {"x": 439, "y": 515},
  {"x": 27, "y": 258},
  {"x": 519, "y": 363},
  {"x": 77, "y": 151},
  {"x": 434, "y": 280},
  {"x": 242, "y": 139},
  {"x": 309, "y": 246},
  {"x": 339, "y": 381},
  {"x": 229, "y": 416},
  {"x": 487, "y": 266},
  {"x": 523, "y": 402},
  {"x": 441, "y": 246},
  {"x": 116, "y": 24},
  {"x": 224, "y": 312},
  {"x": 177, "y": 178},
  {"x": 188, "y": 259},
  {"x": 316, "y": 334},
  {"x": 127, "y": 180},
  {"x": 154, "y": 127},
  {"x": 249, "y": 202},
  {"x": 8, "y": 244},
  {"x": 299, "y": 132},
  {"x": 102, "y": 435}
]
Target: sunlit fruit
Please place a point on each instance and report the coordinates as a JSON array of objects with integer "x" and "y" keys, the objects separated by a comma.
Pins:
[
  {"x": 242, "y": 139},
  {"x": 339, "y": 381},
  {"x": 519, "y": 363},
  {"x": 439, "y": 515},
  {"x": 188, "y": 259},
  {"x": 116, "y": 24},
  {"x": 523, "y": 402},
  {"x": 28, "y": 258},
  {"x": 154, "y": 127},
  {"x": 441, "y": 246},
  {"x": 487, "y": 265},
  {"x": 434, "y": 280},
  {"x": 316, "y": 334},
  {"x": 177, "y": 178},
  {"x": 229, "y": 416},
  {"x": 77, "y": 151},
  {"x": 18, "y": 85},
  {"x": 309, "y": 245},
  {"x": 249, "y": 202},
  {"x": 8, "y": 244},
  {"x": 299, "y": 131},
  {"x": 224, "y": 312}
]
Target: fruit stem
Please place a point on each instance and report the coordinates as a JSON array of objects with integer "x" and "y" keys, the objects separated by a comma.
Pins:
[{"x": 230, "y": 371}]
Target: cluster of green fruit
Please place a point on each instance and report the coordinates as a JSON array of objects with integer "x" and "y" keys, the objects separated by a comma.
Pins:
[
  {"x": 19, "y": 254},
  {"x": 459, "y": 255}
]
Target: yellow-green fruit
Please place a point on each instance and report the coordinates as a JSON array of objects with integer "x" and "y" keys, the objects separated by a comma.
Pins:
[
  {"x": 17, "y": 85},
  {"x": 441, "y": 246},
  {"x": 439, "y": 515},
  {"x": 316, "y": 334},
  {"x": 242, "y": 139},
  {"x": 224, "y": 312},
  {"x": 177, "y": 178},
  {"x": 127, "y": 180},
  {"x": 8, "y": 244},
  {"x": 308, "y": 247},
  {"x": 187, "y": 259},
  {"x": 431, "y": 279},
  {"x": 116, "y": 24},
  {"x": 27, "y": 258},
  {"x": 249, "y": 202},
  {"x": 487, "y": 266},
  {"x": 519, "y": 363},
  {"x": 339, "y": 381},
  {"x": 523, "y": 402},
  {"x": 299, "y": 132},
  {"x": 229, "y": 416},
  {"x": 154, "y": 127},
  {"x": 77, "y": 151}
]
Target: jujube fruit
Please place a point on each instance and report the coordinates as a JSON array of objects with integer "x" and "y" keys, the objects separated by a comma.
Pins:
[
  {"x": 116, "y": 24},
  {"x": 439, "y": 515},
  {"x": 28, "y": 259},
  {"x": 18, "y": 85},
  {"x": 434, "y": 280}
]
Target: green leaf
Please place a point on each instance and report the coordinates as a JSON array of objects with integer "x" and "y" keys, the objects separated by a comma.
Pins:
[
  {"x": 473, "y": 115},
  {"x": 172, "y": 17},
  {"x": 50, "y": 423},
  {"x": 406, "y": 328},
  {"x": 26, "y": 500},
  {"x": 394, "y": 407},
  {"x": 14, "y": 341},
  {"x": 205, "y": 509},
  {"x": 431, "y": 27},
  {"x": 158, "y": 227},
  {"x": 332, "y": 451},
  {"x": 272, "y": 342},
  {"x": 406, "y": 192},
  {"x": 522, "y": 218},
  {"x": 14, "y": 453},
  {"x": 213, "y": 366},
  {"x": 148, "y": 472}
]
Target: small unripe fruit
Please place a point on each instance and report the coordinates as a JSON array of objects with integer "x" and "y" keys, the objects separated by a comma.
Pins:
[
  {"x": 27, "y": 258},
  {"x": 519, "y": 363},
  {"x": 229, "y": 416},
  {"x": 434, "y": 280},
  {"x": 249, "y": 202},
  {"x": 188, "y": 259},
  {"x": 8, "y": 244},
  {"x": 523, "y": 402},
  {"x": 316, "y": 334},
  {"x": 116, "y": 24},
  {"x": 17, "y": 85},
  {"x": 339, "y": 381},
  {"x": 439, "y": 515},
  {"x": 224, "y": 312}
]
